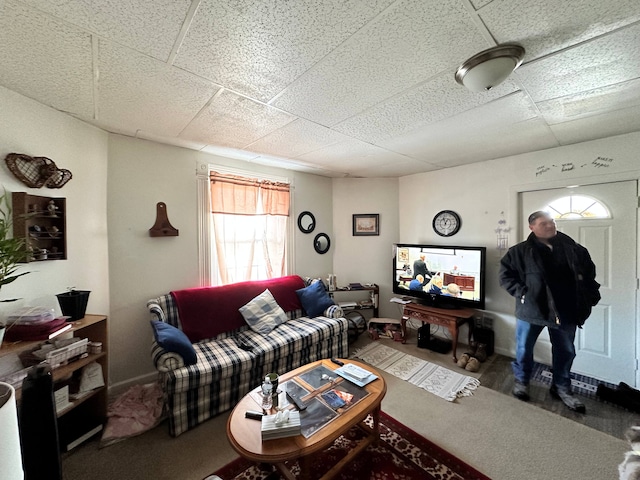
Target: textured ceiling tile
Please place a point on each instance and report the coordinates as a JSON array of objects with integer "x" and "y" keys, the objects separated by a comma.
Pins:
[
  {"x": 478, "y": 134},
  {"x": 394, "y": 169},
  {"x": 352, "y": 154},
  {"x": 478, "y": 4},
  {"x": 603, "y": 125},
  {"x": 470, "y": 146},
  {"x": 142, "y": 93},
  {"x": 546, "y": 26},
  {"x": 234, "y": 121},
  {"x": 258, "y": 47},
  {"x": 46, "y": 60},
  {"x": 593, "y": 102},
  {"x": 607, "y": 60},
  {"x": 148, "y": 26},
  {"x": 430, "y": 102},
  {"x": 398, "y": 50},
  {"x": 296, "y": 138}
]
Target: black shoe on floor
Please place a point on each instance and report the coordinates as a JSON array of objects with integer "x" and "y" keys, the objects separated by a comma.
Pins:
[
  {"x": 619, "y": 396},
  {"x": 521, "y": 391},
  {"x": 564, "y": 394}
]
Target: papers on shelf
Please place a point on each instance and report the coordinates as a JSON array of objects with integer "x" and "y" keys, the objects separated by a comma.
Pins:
[
  {"x": 355, "y": 374},
  {"x": 347, "y": 304}
]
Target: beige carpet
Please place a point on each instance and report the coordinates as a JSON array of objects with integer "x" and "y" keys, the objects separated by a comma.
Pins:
[{"x": 497, "y": 434}]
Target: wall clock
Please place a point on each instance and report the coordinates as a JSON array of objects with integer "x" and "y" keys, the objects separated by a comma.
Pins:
[{"x": 447, "y": 223}]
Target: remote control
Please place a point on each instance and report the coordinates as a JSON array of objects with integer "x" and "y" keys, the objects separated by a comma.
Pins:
[
  {"x": 253, "y": 415},
  {"x": 337, "y": 362},
  {"x": 297, "y": 401}
]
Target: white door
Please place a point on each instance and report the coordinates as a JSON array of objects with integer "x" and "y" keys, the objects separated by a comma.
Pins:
[{"x": 606, "y": 345}]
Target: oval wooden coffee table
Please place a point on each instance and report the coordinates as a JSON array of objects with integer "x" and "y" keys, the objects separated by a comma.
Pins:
[{"x": 245, "y": 434}]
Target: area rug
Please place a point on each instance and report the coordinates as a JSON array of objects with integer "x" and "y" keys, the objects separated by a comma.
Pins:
[
  {"x": 401, "y": 454},
  {"x": 435, "y": 379},
  {"x": 580, "y": 384}
]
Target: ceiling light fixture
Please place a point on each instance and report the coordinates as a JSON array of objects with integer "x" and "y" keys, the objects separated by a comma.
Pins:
[{"x": 490, "y": 67}]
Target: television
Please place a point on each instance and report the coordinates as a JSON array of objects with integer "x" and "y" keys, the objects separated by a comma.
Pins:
[{"x": 441, "y": 276}]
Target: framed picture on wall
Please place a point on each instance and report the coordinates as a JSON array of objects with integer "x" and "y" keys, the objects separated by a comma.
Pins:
[{"x": 366, "y": 224}]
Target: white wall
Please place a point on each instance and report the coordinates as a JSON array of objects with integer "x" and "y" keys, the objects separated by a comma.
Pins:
[
  {"x": 480, "y": 192},
  {"x": 143, "y": 173},
  {"x": 33, "y": 129},
  {"x": 366, "y": 259}
]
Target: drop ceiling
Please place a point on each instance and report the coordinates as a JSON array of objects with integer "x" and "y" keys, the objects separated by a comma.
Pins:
[{"x": 359, "y": 88}]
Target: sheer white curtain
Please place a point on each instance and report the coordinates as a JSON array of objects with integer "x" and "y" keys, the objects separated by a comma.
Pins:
[{"x": 250, "y": 227}]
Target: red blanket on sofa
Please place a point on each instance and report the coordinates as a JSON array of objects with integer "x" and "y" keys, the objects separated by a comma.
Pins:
[{"x": 208, "y": 311}]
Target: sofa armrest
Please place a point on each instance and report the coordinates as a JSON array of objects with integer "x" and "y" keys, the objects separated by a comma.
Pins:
[
  {"x": 334, "y": 311},
  {"x": 156, "y": 311},
  {"x": 165, "y": 361}
]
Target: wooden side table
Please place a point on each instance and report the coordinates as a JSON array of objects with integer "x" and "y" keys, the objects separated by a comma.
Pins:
[{"x": 450, "y": 318}]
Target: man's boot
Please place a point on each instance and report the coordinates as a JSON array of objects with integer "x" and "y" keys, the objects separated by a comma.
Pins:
[{"x": 564, "y": 394}]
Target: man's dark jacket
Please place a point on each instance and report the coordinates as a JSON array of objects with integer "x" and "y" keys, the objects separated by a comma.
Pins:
[{"x": 522, "y": 275}]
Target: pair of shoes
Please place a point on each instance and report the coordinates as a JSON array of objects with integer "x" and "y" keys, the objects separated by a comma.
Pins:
[
  {"x": 473, "y": 365},
  {"x": 564, "y": 394},
  {"x": 463, "y": 360},
  {"x": 521, "y": 391},
  {"x": 469, "y": 363}
]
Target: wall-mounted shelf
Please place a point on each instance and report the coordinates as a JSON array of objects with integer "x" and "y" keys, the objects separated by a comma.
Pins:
[
  {"x": 41, "y": 222},
  {"x": 162, "y": 227}
]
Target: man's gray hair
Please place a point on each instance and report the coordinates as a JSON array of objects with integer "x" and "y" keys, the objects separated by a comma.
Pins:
[{"x": 536, "y": 215}]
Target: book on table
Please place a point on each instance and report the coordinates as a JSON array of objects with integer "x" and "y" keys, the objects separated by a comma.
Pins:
[{"x": 290, "y": 428}]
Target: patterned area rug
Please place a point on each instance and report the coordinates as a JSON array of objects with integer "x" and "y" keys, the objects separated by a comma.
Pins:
[
  {"x": 433, "y": 378},
  {"x": 401, "y": 454},
  {"x": 580, "y": 384}
]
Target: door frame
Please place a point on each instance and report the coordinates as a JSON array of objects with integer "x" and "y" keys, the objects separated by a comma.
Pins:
[{"x": 514, "y": 218}]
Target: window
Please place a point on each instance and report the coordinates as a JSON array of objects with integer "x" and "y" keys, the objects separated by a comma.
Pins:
[
  {"x": 577, "y": 206},
  {"x": 244, "y": 227}
]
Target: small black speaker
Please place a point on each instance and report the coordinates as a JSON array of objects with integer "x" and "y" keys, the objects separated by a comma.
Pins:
[{"x": 424, "y": 336}]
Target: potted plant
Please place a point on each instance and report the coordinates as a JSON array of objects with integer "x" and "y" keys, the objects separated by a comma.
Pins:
[{"x": 12, "y": 252}]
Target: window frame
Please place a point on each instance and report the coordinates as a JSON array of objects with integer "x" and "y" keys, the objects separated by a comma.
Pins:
[{"x": 204, "y": 222}]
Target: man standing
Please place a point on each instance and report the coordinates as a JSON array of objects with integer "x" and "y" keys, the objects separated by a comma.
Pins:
[
  {"x": 420, "y": 267},
  {"x": 553, "y": 281}
]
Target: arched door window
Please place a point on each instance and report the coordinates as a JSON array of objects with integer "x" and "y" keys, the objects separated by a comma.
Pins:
[{"x": 577, "y": 207}]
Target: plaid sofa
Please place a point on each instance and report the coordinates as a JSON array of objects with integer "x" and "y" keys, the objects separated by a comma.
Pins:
[{"x": 225, "y": 372}]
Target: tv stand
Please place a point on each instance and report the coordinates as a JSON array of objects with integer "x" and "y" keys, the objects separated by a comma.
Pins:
[{"x": 450, "y": 318}]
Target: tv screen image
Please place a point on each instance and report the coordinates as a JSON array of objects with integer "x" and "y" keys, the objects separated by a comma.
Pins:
[{"x": 441, "y": 276}]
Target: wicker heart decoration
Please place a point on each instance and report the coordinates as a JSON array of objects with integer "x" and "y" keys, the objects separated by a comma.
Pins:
[
  {"x": 59, "y": 178},
  {"x": 36, "y": 172}
]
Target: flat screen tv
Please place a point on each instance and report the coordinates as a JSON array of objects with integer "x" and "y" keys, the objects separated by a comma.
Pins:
[{"x": 440, "y": 276}]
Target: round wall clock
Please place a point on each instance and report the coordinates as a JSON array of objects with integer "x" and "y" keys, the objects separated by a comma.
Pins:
[{"x": 446, "y": 223}]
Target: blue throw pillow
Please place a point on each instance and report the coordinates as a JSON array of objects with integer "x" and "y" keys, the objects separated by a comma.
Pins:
[
  {"x": 174, "y": 340},
  {"x": 314, "y": 299}
]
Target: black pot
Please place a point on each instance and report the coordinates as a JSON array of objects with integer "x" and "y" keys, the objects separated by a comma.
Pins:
[{"x": 74, "y": 303}]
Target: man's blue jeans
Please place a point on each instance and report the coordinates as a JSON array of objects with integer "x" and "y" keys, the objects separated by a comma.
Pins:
[{"x": 562, "y": 348}]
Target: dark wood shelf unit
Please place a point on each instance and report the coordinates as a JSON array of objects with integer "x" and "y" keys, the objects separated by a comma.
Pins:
[{"x": 41, "y": 230}]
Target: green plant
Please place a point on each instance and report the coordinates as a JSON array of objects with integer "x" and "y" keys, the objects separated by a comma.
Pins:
[{"x": 12, "y": 250}]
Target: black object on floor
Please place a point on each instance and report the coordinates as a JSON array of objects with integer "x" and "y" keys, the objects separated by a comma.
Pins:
[
  {"x": 439, "y": 345},
  {"x": 39, "y": 426},
  {"x": 623, "y": 396},
  {"x": 486, "y": 336}
]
